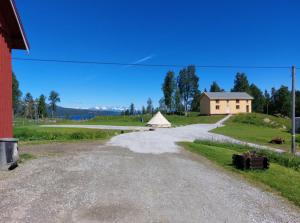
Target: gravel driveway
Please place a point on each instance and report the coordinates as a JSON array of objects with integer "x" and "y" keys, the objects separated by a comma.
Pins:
[
  {"x": 152, "y": 181},
  {"x": 90, "y": 183}
]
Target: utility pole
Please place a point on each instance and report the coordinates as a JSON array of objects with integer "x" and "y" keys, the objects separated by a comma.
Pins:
[{"x": 293, "y": 147}]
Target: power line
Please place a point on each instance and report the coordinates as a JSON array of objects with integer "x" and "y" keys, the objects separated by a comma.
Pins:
[{"x": 148, "y": 65}]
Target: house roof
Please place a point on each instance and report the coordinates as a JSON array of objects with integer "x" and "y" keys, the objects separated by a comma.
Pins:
[
  {"x": 228, "y": 95},
  {"x": 13, "y": 25}
]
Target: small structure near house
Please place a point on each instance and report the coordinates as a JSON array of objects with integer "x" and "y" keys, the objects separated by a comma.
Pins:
[
  {"x": 159, "y": 121},
  {"x": 220, "y": 103},
  {"x": 250, "y": 160}
]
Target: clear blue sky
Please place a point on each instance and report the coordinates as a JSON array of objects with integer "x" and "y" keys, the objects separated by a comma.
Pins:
[{"x": 249, "y": 32}]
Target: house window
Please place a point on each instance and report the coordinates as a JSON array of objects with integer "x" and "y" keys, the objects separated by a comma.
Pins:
[
  {"x": 247, "y": 101},
  {"x": 217, "y": 107},
  {"x": 237, "y": 107},
  {"x": 227, "y": 101},
  {"x": 237, "y": 101},
  {"x": 217, "y": 101}
]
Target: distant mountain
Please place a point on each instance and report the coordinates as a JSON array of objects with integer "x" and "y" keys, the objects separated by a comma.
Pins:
[
  {"x": 78, "y": 113},
  {"x": 108, "y": 108}
]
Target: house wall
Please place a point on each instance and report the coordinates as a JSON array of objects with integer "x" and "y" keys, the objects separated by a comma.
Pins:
[
  {"x": 204, "y": 105},
  {"x": 230, "y": 106},
  {"x": 6, "y": 111},
  {"x": 208, "y": 107}
]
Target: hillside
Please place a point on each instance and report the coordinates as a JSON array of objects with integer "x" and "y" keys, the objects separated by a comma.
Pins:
[{"x": 259, "y": 129}]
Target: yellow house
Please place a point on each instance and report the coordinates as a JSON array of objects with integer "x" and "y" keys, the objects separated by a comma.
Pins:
[{"x": 218, "y": 103}]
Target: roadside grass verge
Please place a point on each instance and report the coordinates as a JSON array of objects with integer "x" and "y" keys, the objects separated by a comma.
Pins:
[
  {"x": 278, "y": 178},
  {"x": 136, "y": 120},
  {"x": 24, "y": 157},
  {"x": 36, "y": 134},
  {"x": 259, "y": 129}
]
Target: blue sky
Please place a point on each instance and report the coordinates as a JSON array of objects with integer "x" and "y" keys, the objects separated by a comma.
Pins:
[{"x": 249, "y": 32}]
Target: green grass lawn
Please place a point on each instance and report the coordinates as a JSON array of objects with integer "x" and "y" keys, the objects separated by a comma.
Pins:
[
  {"x": 36, "y": 134},
  {"x": 254, "y": 128},
  {"x": 176, "y": 120},
  {"x": 278, "y": 178}
]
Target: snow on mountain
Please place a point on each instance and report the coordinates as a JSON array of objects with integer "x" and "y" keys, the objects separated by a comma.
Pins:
[{"x": 108, "y": 108}]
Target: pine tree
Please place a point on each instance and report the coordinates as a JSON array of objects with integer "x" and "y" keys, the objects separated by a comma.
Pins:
[
  {"x": 131, "y": 109},
  {"x": 241, "y": 83},
  {"x": 214, "y": 87},
  {"x": 258, "y": 98}
]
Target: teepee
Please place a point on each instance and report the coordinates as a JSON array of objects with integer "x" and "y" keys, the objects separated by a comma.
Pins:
[{"x": 159, "y": 121}]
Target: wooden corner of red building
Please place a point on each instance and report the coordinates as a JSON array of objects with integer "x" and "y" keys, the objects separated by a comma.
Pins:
[{"x": 12, "y": 36}]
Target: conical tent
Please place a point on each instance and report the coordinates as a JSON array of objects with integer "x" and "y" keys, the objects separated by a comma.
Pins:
[{"x": 159, "y": 121}]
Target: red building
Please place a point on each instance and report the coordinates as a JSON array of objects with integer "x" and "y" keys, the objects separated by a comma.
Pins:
[{"x": 12, "y": 36}]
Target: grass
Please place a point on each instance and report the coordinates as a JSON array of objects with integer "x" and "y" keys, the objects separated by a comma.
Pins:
[
  {"x": 259, "y": 129},
  {"x": 36, "y": 134},
  {"x": 24, "y": 157},
  {"x": 176, "y": 120},
  {"x": 278, "y": 178}
]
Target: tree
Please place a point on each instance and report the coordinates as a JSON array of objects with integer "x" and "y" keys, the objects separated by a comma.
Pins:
[
  {"x": 267, "y": 102},
  {"x": 16, "y": 94},
  {"x": 177, "y": 102},
  {"x": 241, "y": 83},
  {"x": 149, "y": 106},
  {"x": 29, "y": 106},
  {"x": 143, "y": 110},
  {"x": 131, "y": 109},
  {"x": 188, "y": 85},
  {"x": 195, "y": 106},
  {"x": 214, "y": 87},
  {"x": 258, "y": 98},
  {"x": 162, "y": 106},
  {"x": 168, "y": 88},
  {"x": 282, "y": 101},
  {"x": 53, "y": 100},
  {"x": 42, "y": 107}
]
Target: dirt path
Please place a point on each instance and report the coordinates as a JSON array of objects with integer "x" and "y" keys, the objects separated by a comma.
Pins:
[{"x": 90, "y": 183}]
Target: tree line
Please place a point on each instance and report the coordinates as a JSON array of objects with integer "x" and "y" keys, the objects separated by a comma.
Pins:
[
  {"x": 31, "y": 108},
  {"x": 181, "y": 94}
]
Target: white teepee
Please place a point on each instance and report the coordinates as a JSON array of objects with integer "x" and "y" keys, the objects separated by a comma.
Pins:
[{"x": 159, "y": 121}]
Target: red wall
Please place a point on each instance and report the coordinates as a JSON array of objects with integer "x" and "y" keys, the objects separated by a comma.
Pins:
[{"x": 6, "y": 111}]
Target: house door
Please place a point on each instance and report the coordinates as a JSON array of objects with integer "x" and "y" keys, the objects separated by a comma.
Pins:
[
  {"x": 228, "y": 109},
  {"x": 247, "y": 108}
]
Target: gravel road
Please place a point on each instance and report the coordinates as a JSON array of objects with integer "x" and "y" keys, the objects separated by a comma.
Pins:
[
  {"x": 152, "y": 181},
  {"x": 164, "y": 140},
  {"x": 90, "y": 183}
]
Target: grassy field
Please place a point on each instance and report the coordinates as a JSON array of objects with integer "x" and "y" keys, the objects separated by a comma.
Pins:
[
  {"x": 278, "y": 178},
  {"x": 259, "y": 129},
  {"x": 36, "y": 134},
  {"x": 176, "y": 120}
]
